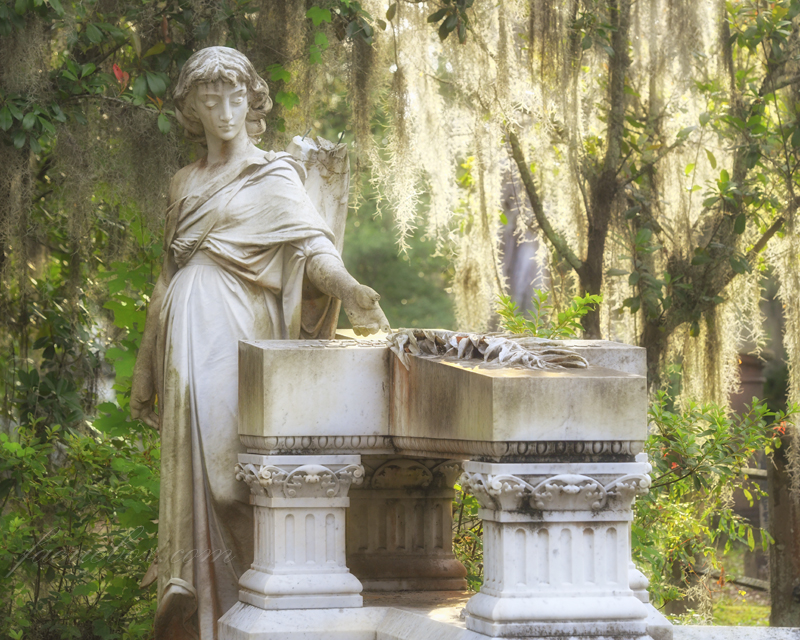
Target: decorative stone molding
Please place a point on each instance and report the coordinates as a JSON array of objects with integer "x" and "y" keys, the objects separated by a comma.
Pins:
[
  {"x": 310, "y": 445},
  {"x": 562, "y": 492},
  {"x": 522, "y": 451},
  {"x": 511, "y": 451},
  {"x": 305, "y": 481}
]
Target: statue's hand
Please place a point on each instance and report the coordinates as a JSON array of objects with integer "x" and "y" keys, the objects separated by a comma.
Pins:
[
  {"x": 364, "y": 312},
  {"x": 143, "y": 395}
]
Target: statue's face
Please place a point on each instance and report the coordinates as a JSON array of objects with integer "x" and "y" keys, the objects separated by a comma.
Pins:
[{"x": 222, "y": 108}]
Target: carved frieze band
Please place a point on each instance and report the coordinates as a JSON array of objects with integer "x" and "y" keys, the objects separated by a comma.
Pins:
[
  {"x": 306, "y": 481},
  {"x": 475, "y": 449},
  {"x": 317, "y": 444},
  {"x": 406, "y": 473},
  {"x": 579, "y": 450},
  {"x": 563, "y": 492}
]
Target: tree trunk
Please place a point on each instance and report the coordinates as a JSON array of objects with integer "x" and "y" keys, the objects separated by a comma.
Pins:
[{"x": 784, "y": 526}]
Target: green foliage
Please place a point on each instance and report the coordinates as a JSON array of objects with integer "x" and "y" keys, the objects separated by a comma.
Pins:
[
  {"x": 545, "y": 321},
  {"x": 687, "y": 519},
  {"x": 468, "y": 537},
  {"x": 79, "y": 483}
]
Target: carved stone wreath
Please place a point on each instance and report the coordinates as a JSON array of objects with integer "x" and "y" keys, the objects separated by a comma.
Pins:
[
  {"x": 306, "y": 481},
  {"x": 498, "y": 348}
]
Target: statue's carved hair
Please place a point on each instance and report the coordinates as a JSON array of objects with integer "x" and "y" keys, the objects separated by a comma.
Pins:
[{"x": 211, "y": 65}]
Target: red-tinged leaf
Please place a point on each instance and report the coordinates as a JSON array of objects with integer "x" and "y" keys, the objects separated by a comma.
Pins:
[{"x": 117, "y": 72}]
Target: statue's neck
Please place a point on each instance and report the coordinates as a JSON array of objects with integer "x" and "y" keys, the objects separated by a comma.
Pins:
[{"x": 222, "y": 152}]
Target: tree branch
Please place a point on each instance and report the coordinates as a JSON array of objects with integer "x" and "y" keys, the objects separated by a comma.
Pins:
[{"x": 559, "y": 243}]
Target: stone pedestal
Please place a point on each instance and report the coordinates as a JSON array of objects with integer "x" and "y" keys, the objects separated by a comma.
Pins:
[
  {"x": 400, "y": 526},
  {"x": 556, "y": 549},
  {"x": 299, "y": 559}
]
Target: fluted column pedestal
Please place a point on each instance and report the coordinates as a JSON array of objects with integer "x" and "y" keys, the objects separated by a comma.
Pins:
[
  {"x": 556, "y": 550},
  {"x": 400, "y": 525},
  {"x": 299, "y": 560}
]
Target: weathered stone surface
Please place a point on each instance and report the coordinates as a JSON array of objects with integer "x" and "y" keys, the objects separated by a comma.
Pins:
[
  {"x": 439, "y": 399},
  {"x": 303, "y": 388}
]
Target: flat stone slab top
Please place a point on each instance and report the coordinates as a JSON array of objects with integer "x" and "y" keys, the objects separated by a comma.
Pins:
[{"x": 337, "y": 396}]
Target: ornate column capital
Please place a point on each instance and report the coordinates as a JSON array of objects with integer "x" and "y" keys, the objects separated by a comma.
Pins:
[{"x": 299, "y": 481}]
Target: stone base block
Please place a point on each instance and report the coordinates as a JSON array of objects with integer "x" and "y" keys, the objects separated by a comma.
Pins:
[
  {"x": 658, "y": 627},
  {"x": 405, "y": 572},
  {"x": 245, "y": 622},
  {"x": 388, "y": 616},
  {"x": 591, "y": 616},
  {"x": 299, "y": 591}
]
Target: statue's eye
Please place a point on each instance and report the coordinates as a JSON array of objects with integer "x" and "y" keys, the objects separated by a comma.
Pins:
[
  {"x": 211, "y": 105},
  {"x": 238, "y": 100}
]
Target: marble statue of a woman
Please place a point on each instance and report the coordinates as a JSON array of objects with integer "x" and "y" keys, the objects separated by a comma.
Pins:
[{"x": 241, "y": 235}]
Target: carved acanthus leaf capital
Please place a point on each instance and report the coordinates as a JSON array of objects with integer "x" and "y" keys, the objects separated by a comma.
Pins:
[
  {"x": 562, "y": 492},
  {"x": 305, "y": 481}
]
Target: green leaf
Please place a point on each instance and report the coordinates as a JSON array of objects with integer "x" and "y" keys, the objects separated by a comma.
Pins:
[
  {"x": 318, "y": 15},
  {"x": 438, "y": 15},
  {"x": 740, "y": 224},
  {"x": 634, "y": 278},
  {"x": 689, "y": 168},
  {"x": 700, "y": 257},
  {"x": 503, "y": 218},
  {"x": 87, "y": 69},
  {"x": 617, "y": 272},
  {"x": 15, "y": 111},
  {"x": 391, "y": 12},
  {"x": 704, "y": 118},
  {"x": 56, "y": 4},
  {"x": 156, "y": 84},
  {"x": 724, "y": 176},
  {"x": 94, "y": 34},
  {"x": 47, "y": 126},
  {"x": 633, "y": 303},
  {"x": 711, "y": 159},
  {"x": 29, "y": 120},
  {"x": 587, "y": 42},
  {"x": 710, "y": 202},
  {"x": 686, "y": 131},
  {"x": 739, "y": 265},
  {"x": 19, "y": 139},
  {"x": 321, "y": 40},
  {"x": 287, "y": 98},
  {"x": 5, "y": 119},
  {"x": 140, "y": 87},
  {"x": 155, "y": 50},
  {"x": 35, "y": 146},
  {"x": 796, "y": 138},
  {"x": 277, "y": 73},
  {"x": 163, "y": 123}
]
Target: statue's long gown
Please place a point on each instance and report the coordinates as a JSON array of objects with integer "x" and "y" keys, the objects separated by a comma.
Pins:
[{"x": 241, "y": 244}]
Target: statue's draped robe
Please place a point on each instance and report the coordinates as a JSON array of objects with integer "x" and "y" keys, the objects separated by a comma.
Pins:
[{"x": 241, "y": 242}]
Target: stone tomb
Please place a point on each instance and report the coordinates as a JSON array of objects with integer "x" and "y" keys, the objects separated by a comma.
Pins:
[{"x": 352, "y": 458}]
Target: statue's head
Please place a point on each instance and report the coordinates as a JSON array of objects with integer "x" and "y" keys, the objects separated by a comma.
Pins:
[{"x": 215, "y": 64}]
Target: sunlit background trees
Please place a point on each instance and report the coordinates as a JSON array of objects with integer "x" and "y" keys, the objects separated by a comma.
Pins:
[{"x": 643, "y": 151}]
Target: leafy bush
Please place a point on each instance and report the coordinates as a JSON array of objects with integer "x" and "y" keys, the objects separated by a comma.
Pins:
[
  {"x": 78, "y": 497},
  {"x": 545, "y": 320},
  {"x": 687, "y": 521}
]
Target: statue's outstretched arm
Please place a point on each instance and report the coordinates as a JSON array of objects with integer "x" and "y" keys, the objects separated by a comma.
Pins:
[
  {"x": 360, "y": 302},
  {"x": 143, "y": 388}
]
